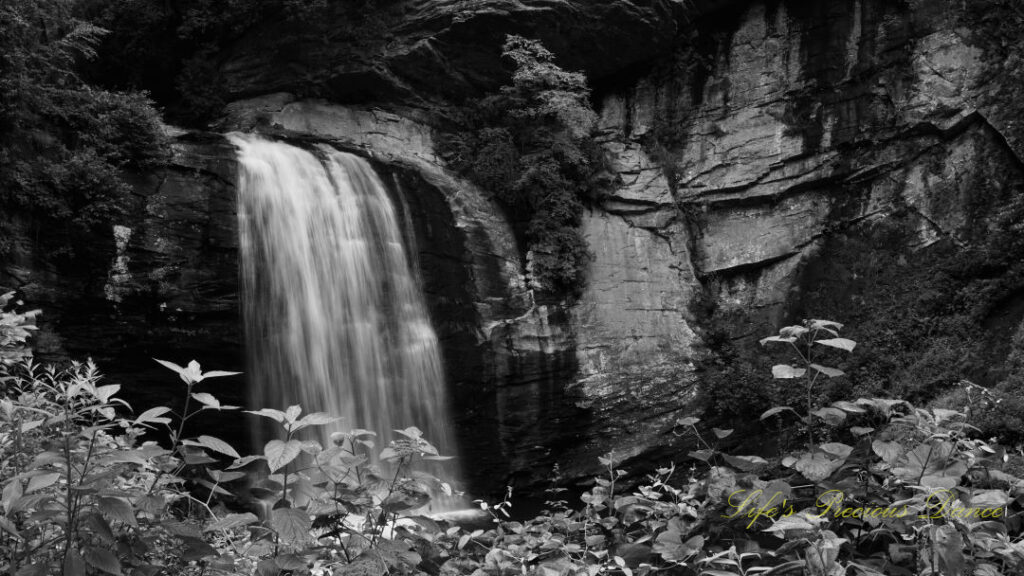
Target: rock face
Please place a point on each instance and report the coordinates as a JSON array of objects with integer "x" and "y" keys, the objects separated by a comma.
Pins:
[
  {"x": 171, "y": 286},
  {"x": 749, "y": 139},
  {"x": 403, "y": 50}
]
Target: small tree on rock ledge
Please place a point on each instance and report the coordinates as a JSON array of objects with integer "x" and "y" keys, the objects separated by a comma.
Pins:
[{"x": 532, "y": 145}]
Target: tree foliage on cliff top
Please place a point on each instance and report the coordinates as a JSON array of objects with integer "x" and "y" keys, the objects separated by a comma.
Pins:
[
  {"x": 66, "y": 142},
  {"x": 532, "y": 145}
]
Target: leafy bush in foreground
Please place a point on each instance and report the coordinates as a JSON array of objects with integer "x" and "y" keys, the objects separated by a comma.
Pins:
[{"x": 876, "y": 487}]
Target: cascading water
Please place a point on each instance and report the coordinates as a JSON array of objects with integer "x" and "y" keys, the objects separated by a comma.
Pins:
[{"x": 334, "y": 318}]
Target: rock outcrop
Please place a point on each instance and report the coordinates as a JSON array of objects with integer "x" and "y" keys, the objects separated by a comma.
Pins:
[
  {"x": 415, "y": 51},
  {"x": 171, "y": 288}
]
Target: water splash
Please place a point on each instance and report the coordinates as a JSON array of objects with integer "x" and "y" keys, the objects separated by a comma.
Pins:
[{"x": 334, "y": 317}]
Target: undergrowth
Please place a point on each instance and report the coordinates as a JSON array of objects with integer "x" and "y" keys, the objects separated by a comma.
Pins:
[{"x": 871, "y": 487}]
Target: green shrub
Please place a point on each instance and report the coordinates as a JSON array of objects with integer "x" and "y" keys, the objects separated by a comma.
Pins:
[
  {"x": 531, "y": 145},
  {"x": 81, "y": 492},
  {"x": 66, "y": 143}
]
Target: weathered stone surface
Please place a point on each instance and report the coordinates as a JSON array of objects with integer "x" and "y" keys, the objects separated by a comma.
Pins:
[
  {"x": 632, "y": 315},
  {"x": 418, "y": 49},
  {"x": 811, "y": 119}
]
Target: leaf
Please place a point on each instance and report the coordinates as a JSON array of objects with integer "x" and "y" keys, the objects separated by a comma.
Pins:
[
  {"x": 816, "y": 466},
  {"x": 183, "y": 373},
  {"x": 74, "y": 564},
  {"x": 170, "y": 365},
  {"x": 311, "y": 447},
  {"x": 783, "y": 339},
  {"x": 949, "y": 544},
  {"x": 318, "y": 419},
  {"x": 833, "y": 416},
  {"x": 776, "y": 410},
  {"x": 670, "y": 545},
  {"x": 221, "y": 476},
  {"x": 42, "y": 481},
  {"x": 942, "y": 414},
  {"x": 209, "y": 400},
  {"x": 861, "y": 430},
  {"x": 31, "y": 425},
  {"x": 105, "y": 393},
  {"x": 9, "y": 527},
  {"x": 989, "y": 499},
  {"x": 830, "y": 372},
  {"x": 688, "y": 421},
  {"x": 745, "y": 463},
  {"x": 983, "y": 570},
  {"x": 824, "y": 324},
  {"x": 890, "y": 452},
  {"x": 275, "y": 415},
  {"x": 848, "y": 407},
  {"x": 786, "y": 524},
  {"x": 219, "y": 374},
  {"x": 786, "y": 371},
  {"x": 721, "y": 434},
  {"x": 154, "y": 415},
  {"x": 218, "y": 445},
  {"x": 245, "y": 461},
  {"x": 841, "y": 343},
  {"x": 102, "y": 559},
  {"x": 933, "y": 464},
  {"x": 232, "y": 521},
  {"x": 702, "y": 455},
  {"x": 837, "y": 449},
  {"x": 117, "y": 509},
  {"x": 291, "y": 524},
  {"x": 100, "y": 527},
  {"x": 292, "y": 413},
  {"x": 883, "y": 405},
  {"x": 412, "y": 433},
  {"x": 793, "y": 331},
  {"x": 279, "y": 453}
]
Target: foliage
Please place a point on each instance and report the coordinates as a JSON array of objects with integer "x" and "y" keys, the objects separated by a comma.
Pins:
[
  {"x": 998, "y": 410},
  {"x": 895, "y": 490},
  {"x": 879, "y": 487},
  {"x": 66, "y": 143},
  {"x": 15, "y": 330},
  {"x": 532, "y": 145},
  {"x": 83, "y": 492},
  {"x": 927, "y": 316}
]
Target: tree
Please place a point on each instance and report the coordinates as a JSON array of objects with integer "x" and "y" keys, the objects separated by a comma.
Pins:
[
  {"x": 532, "y": 145},
  {"x": 66, "y": 143}
]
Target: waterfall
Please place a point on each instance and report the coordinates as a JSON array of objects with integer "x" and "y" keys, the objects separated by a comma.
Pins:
[{"x": 334, "y": 317}]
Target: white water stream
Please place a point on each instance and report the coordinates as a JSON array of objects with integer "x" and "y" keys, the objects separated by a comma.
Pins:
[{"x": 334, "y": 317}]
